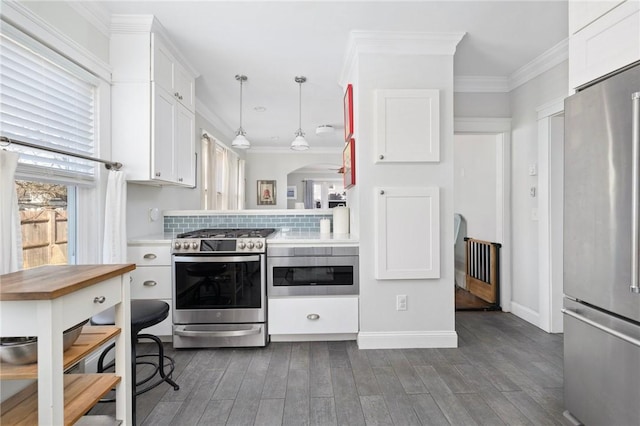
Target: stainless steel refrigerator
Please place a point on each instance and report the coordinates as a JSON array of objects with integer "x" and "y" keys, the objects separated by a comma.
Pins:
[{"x": 601, "y": 251}]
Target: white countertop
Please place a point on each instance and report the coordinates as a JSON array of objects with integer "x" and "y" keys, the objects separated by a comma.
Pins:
[
  {"x": 279, "y": 237},
  {"x": 312, "y": 238},
  {"x": 159, "y": 238}
]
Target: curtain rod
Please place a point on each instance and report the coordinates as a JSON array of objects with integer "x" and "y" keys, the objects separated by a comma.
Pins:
[{"x": 107, "y": 164}]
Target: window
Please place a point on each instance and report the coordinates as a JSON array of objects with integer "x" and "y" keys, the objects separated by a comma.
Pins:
[
  {"x": 223, "y": 170},
  {"x": 47, "y": 100}
]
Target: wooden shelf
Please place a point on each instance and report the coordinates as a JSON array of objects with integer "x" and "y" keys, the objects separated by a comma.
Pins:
[
  {"x": 92, "y": 337},
  {"x": 81, "y": 392}
]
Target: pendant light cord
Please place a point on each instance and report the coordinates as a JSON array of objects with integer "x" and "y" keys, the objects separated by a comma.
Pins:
[{"x": 241, "y": 130}]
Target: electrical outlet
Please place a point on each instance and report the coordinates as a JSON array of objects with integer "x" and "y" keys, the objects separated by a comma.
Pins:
[{"x": 401, "y": 302}]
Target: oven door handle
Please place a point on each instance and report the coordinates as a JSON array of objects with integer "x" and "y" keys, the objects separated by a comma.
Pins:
[
  {"x": 216, "y": 259},
  {"x": 181, "y": 331}
]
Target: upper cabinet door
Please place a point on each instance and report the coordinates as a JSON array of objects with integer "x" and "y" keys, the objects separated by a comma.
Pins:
[
  {"x": 163, "y": 133},
  {"x": 184, "y": 147},
  {"x": 162, "y": 73},
  {"x": 407, "y": 125},
  {"x": 184, "y": 87}
]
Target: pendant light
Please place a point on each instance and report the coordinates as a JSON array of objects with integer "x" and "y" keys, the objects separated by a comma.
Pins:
[
  {"x": 241, "y": 141},
  {"x": 300, "y": 143}
]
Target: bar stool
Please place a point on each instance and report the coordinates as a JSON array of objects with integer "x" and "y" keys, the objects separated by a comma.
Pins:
[{"x": 144, "y": 314}]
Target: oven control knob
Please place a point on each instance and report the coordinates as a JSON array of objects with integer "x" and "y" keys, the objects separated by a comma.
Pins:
[
  {"x": 185, "y": 246},
  {"x": 259, "y": 244},
  {"x": 177, "y": 245},
  {"x": 250, "y": 245},
  {"x": 241, "y": 245},
  {"x": 194, "y": 245}
]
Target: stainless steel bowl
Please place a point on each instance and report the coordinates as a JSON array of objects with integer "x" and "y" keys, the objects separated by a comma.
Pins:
[{"x": 24, "y": 350}]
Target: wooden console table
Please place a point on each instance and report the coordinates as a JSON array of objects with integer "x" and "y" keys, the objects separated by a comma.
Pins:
[{"x": 44, "y": 302}]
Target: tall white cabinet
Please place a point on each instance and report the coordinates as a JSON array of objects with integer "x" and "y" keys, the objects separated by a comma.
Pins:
[{"x": 153, "y": 104}]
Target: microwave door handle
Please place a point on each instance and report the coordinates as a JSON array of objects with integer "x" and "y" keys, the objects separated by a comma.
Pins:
[{"x": 635, "y": 193}]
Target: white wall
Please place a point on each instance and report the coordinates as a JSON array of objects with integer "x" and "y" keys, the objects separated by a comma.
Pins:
[
  {"x": 474, "y": 184},
  {"x": 482, "y": 105},
  {"x": 276, "y": 166},
  {"x": 525, "y": 99},
  {"x": 430, "y": 302}
]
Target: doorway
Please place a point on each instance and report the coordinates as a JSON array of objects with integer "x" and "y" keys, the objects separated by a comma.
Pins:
[{"x": 482, "y": 170}]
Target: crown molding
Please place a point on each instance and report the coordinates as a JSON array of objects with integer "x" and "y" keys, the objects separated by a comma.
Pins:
[
  {"x": 95, "y": 13},
  {"x": 222, "y": 128},
  {"x": 396, "y": 43},
  {"x": 549, "y": 59},
  {"x": 480, "y": 84}
]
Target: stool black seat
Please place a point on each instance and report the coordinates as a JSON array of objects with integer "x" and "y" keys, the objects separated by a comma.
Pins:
[{"x": 144, "y": 314}]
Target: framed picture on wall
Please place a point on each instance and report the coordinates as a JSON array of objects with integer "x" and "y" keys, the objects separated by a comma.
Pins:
[
  {"x": 348, "y": 113},
  {"x": 292, "y": 192},
  {"x": 266, "y": 192},
  {"x": 349, "y": 164}
]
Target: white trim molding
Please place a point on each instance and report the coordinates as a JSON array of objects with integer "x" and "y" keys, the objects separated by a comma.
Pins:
[
  {"x": 95, "y": 13},
  {"x": 549, "y": 59},
  {"x": 525, "y": 313},
  {"x": 407, "y": 339},
  {"x": 396, "y": 43}
]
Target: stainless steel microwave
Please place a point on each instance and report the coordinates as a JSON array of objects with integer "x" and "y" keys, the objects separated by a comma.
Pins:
[{"x": 312, "y": 271}]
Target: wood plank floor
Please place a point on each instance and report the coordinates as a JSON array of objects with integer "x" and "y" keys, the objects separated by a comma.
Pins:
[{"x": 505, "y": 371}]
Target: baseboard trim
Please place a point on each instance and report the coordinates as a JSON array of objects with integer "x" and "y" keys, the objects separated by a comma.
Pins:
[
  {"x": 525, "y": 313},
  {"x": 407, "y": 339},
  {"x": 312, "y": 337}
]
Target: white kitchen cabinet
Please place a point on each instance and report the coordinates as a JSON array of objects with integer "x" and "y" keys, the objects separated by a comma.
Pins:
[
  {"x": 169, "y": 74},
  {"x": 407, "y": 125},
  {"x": 605, "y": 45},
  {"x": 313, "y": 315},
  {"x": 151, "y": 280},
  {"x": 401, "y": 212},
  {"x": 153, "y": 104},
  {"x": 584, "y": 12}
]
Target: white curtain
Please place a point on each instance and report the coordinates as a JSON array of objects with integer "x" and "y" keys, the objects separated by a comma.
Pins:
[
  {"x": 10, "y": 232},
  {"x": 114, "y": 249},
  {"x": 308, "y": 195}
]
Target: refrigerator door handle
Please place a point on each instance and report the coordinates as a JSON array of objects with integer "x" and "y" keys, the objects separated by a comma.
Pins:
[
  {"x": 635, "y": 189},
  {"x": 601, "y": 327}
]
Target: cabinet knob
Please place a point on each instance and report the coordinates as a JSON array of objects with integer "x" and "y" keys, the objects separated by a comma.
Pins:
[
  {"x": 149, "y": 256},
  {"x": 381, "y": 157},
  {"x": 177, "y": 95},
  {"x": 99, "y": 299},
  {"x": 158, "y": 174},
  {"x": 313, "y": 317},
  {"x": 382, "y": 192},
  {"x": 149, "y": 283},
  {"x": 180, "y": 179}
]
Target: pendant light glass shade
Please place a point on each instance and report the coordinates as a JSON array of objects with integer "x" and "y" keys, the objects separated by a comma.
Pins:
[
  {"x": 300, "y": 143},
  {"x": 240, "y": 141}
]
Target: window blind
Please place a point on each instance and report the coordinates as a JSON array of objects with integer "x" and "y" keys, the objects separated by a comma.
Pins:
[{"x": 46, "y": 100}]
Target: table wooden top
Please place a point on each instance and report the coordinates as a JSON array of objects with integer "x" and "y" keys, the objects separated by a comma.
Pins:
[{"x": 53, "y": 281}]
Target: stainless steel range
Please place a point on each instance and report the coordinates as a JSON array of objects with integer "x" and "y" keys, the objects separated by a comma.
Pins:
[{"x": 219, "y": 288}]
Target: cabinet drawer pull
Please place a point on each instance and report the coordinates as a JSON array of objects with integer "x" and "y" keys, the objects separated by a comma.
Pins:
[
  {"x": 99, "y": 299},
  {"x": 313, "y": 317},
  {"x": 149, "y": 283},
  {"x": 150, "y": 256}
]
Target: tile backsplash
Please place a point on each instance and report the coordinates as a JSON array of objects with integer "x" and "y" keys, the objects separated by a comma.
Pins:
[{"x": 295, "y": 223}]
